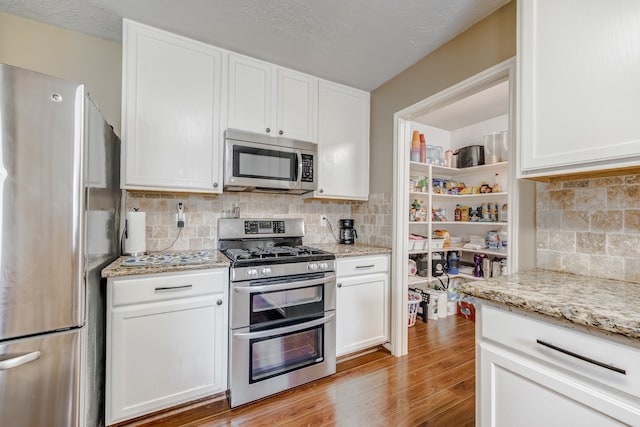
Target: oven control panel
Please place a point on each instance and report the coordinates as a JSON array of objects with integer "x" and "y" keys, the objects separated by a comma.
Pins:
[{"x": 264, "y": 227}]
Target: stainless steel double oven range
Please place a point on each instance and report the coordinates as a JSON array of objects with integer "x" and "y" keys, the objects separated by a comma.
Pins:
[{"x": 282, "y": 309}]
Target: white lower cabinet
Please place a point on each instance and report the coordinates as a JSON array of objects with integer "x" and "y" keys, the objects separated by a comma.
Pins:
[
  {"x": 362, "y": 303},
  {"x": 522, "y": 382},
  {"x": 166, "y": 341}
]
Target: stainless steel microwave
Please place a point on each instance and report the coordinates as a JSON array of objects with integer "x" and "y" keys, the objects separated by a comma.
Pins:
[{"x": 254, "y": 162}]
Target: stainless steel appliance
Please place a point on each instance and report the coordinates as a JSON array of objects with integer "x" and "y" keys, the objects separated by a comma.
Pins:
[
  {"x": 59, "y": 183},
  {"x": 348, "y": 233},
  {"x": 282, "y": 315},
  {"x": 254, "y": 162}
]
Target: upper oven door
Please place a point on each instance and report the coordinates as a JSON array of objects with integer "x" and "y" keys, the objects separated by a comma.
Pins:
[
  {"x": 278, "y": 301},
  {"x": 261, "y": 165}
]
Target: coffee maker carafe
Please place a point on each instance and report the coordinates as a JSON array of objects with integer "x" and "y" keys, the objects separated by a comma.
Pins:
[{"x": 348, "y": 234}]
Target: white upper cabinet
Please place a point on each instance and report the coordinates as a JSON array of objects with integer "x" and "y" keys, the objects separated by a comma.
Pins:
[
  {"x": 579, "y": 86},
  {"x": 343, "y": 142},
  {"x": 264, "y": 98},
  {"x": 172, "y": 110}
]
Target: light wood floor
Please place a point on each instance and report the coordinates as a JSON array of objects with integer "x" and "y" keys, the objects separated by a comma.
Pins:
[{"x": 434, "y": 385}]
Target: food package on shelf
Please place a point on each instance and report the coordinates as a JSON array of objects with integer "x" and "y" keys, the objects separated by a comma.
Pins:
[{"x": 442, "y": 234}]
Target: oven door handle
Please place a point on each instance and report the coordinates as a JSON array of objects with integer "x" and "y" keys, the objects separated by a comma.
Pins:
[
  {"x": 283, "y": 286},
  {"x": 285, "y": 330}
]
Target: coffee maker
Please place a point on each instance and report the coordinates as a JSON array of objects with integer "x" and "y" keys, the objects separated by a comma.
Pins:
[{"x": 348, "y": 234}]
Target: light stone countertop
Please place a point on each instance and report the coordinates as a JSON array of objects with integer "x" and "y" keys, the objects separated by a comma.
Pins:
[
  {"x": 611, "y": 306},
  {"x": 117, "y": 269},
  {"x": 357, "y": 249}
]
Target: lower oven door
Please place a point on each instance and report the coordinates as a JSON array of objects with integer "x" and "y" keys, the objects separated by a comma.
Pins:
[{"x": 268, "y": 361}]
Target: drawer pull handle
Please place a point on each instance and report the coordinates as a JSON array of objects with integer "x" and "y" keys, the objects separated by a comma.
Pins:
[
  {"x": 586, "y": 359},
  {"x": 365, "y": 266},
  {"x": 173, "y": 288}
]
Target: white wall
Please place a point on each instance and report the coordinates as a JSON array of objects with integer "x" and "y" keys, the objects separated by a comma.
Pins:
[{"x": 71, "y": 55}]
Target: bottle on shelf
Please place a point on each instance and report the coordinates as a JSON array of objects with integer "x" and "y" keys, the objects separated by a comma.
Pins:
[
  {"x": 497, "y": 186},
  {"x": 464, "y": 214},
  {"x": 457, "y": 213},
  {"x": 423, "y": 149},
  {"x": 415, "y": 146}
]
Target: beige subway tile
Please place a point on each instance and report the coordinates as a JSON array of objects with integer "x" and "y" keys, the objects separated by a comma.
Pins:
[
  {"x": 549, "y": 220},
  {"x": 590, "y": 198},
  {"x": 591, "y": 243},
  {"x": 195, "y": 243},
  {"x": 564, "y": 241},
  {"x": 623, "y": 197},
  {"x": 632, "y": 179},
  {"x": 576, "y": 263},
  {"x": 576, "y": 183},
  {"x": 632, "y": 222},
  {"x": 159, "y": 232},
  {"x": 203, "y": 231},
  {"x": 623, "y": 245},
  {"x": 575, "y": 221},
  {"x": 606, "y": 221},
  {"x": 607, "y": 181},
  {"x": 562, "y": 199},
  {"x": 548, "y": 260},
  {"x": 632, "y": 269},
  {"x": 542, "y": 239},
  {"x": 607, "y": 267}
]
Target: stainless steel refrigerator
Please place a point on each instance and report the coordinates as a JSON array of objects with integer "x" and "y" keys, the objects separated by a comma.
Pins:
[{"x": 59, "y": 207}]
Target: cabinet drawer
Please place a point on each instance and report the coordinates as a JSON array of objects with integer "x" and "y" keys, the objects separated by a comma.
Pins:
[
  {"x": 574, "y": 351},
  {"x": 168, "y": 286},
  {"x": 362, "y": 265}
]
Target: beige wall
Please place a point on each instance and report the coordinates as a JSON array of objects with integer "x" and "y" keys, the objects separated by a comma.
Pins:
[
  {"x": 74, "y": 56},
  {"x": 485, "y": 44}
]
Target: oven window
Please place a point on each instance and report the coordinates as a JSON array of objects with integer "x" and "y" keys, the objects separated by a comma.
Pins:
[
  {"x": 277, "y": 355},
  {"x": 287, "y": 304},
  {"x": 252, "y": 162}
]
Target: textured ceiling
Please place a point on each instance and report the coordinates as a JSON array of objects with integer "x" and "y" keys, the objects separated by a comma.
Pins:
[{"x": 361, "y": 43}]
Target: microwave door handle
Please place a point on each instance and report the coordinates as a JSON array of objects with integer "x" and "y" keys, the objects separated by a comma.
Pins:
[
  {"x": 298, "y": 167},
  {"x": 285, "y": 330}
]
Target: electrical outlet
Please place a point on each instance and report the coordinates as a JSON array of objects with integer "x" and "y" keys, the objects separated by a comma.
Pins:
[
  {"x": 323, "y": 220},
  {"x": 181, "y": 218}
]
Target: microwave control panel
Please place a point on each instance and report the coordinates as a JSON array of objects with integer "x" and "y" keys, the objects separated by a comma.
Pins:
[{"x": 307, "y": 168}]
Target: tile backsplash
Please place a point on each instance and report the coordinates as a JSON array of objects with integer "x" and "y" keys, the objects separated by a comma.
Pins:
[
  {"x": 372, "y": 218},
  {"x": 590, "y": 226}
]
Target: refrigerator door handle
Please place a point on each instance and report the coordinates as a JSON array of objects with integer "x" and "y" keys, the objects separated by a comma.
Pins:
[{"x": 19, "y": 360}]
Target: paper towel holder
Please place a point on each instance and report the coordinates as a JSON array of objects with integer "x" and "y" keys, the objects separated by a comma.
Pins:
[{"x": 140, "y": 250}]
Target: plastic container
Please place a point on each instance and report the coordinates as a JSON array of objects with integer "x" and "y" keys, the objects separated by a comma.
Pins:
[
  {"x": 493, "y": 147},
  {"x": 414, "y": 301}
]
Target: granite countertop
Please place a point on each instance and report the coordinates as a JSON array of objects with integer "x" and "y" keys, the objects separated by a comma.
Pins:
[
  {"x": 611, "y": 306},
  {"x": 166, "y": 262},
  {"x": 357, "y": 249}
]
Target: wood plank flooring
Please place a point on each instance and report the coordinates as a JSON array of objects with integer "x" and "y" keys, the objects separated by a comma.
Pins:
[{"x": 434, "y": 385}]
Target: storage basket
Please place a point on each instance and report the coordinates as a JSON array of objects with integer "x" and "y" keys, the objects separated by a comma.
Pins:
[{"x": 414, "y": 301}]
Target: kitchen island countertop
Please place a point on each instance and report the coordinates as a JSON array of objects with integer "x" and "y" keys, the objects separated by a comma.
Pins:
[{"x": 606, "y": 305}]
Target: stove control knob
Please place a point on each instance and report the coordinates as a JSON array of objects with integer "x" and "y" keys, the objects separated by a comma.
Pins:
[
  {"x": 252, "y": 272},
  {"x": 266, "y": 271},
  {"x": 323, "y": 266},
  {"x": 313, "y": 266}
]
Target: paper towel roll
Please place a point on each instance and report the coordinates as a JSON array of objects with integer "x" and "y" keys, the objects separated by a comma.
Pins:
[{"x": 135, "y": 239}]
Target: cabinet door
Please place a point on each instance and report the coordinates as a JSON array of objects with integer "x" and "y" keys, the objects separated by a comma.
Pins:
[
  {"x": 343, "y": 142},
  {"x": 164, "y": 354},
  {"x": 362, "y": 312},
  {"x": 514, "y": 391},
  {"x": 171, "y": 112},
  {"x": 296, "y": 99},
  {"x": 250, "y": 97},
  {"x": 579, "y": 97}
]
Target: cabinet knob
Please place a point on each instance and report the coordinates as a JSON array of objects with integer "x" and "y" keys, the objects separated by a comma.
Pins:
[
  {"x": 321, "y": 191},
  {"x": 219, "y": 302},
  {"x": 267, "y": 130},
  {"x": 339, "y": 285},
  {"x": 280, "y": 132},
  {"x": 215, "y": 185}
]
